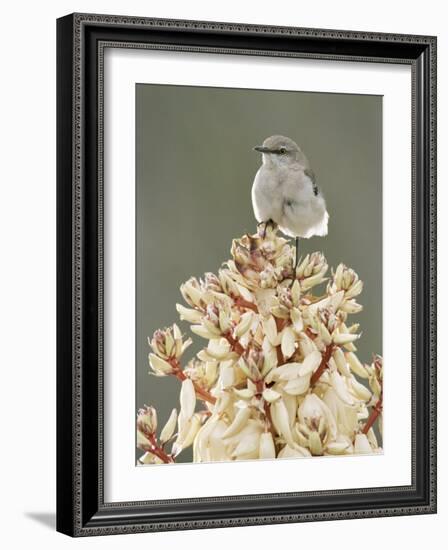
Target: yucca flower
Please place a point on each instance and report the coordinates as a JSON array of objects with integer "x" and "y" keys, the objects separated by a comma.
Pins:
[
  {"x": 168, "y": 347},
  {"x": 278, "y": 375}
]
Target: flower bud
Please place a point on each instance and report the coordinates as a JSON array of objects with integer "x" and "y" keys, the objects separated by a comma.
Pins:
[
  {"x": 192, "y": 292},
  {"x": 168, "y": 343},
  {"x": 147, "y": 420},
  {"x": 190, "y": 315},
  {"x": 159, "y": 366},
  {"x": 211, "y": 283}
]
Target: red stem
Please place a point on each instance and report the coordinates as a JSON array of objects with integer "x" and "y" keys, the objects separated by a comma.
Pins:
[
  {"x": 236, "y": 346},
  {"x": 323, "y": 364},
  {"x": 200, "y": 392},
  {"x": 154, "y": 449},
  {"x": 180, "y": 375},
  {"x": 280, "y": 324},
  {"x": 376, "y": 411},
  {"x": 241, "y": 302},
  {"x": 260, "y": 385}
]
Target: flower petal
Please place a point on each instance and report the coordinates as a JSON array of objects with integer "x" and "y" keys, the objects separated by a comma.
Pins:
[
  {"x": 270, "y": 329},
  {"x": 244, "y": 324},
  {"x": 267, "y": 447},
  {"x": 341, "y": 362},
  {"x": 200, "y": 330},
  {"x": 240, "y": 420},
  {"x": 159, "y": 365},
  {"x": 190, "y": 315},
  {"x": 296, "y": 452},
  {"x": 187, "y": 399},
  {"x": 280, "y": 418},
  {"x": 340, "y": 388},
  {"x": 271, "y": 395},
  {"x": 344, "y": 338},
  {"x": 170, "y": 426},
  {"x": 298, "y": 386},
  {"x": 288, "y": 342},
  {"x": 296, "y": 318},
  {"x": 356, "y": 365},
  {"x": 362, "y": 445},
  {"x": 310, "y": 363}
]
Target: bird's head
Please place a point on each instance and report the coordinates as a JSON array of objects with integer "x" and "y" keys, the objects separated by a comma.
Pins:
[{"x": 281, "y": 151}]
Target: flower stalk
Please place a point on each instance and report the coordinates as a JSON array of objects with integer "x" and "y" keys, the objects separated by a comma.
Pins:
[
  {"x": 376, "y": 411},
  {"x": 278, "y": 374},
  {"x": 200, "y": 392},
  {"x": 157, "y": 451},
  {"x": 323, "y": 364}
]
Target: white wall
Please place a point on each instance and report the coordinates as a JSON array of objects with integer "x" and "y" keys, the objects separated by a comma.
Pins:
[{"x": 27, "y": 270}]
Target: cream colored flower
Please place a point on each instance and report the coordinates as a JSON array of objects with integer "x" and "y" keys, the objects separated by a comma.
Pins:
[
  {"x": 311, "y": 271},
  {"x": 316, "y": 424},
  {"x": 362, "y": 445},
  {"x": 168, "y": 343},
  {"x": 192, "y": 293},
  {"x": 294, "y": 452},
  {"x": 159, "y": 366},
  {"x": 288, "y": 342},
  {"x": 149, "y": 458},
  {"x": 209, "y": 445},
  {"x": 277, "y": 375},
  {"x": 168, "y": 430},
  {"x": 356, "y": 365},
  {"x": 203, "y": 373},
  {"x": 267, "y": 447},
  {"x": 190, "y": 315},
  {"x": 187, "y": 399},
  {"x": 147, "y": 420},
  {"x": 281, "y": 419},
  {"x": 345, "y": 415},
  {"x": 245, "y": 444},
  {"x": 188, "y": 430}
]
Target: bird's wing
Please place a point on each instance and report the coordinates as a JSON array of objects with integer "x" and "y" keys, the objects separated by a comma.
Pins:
[{"x": 308, "y": 172}]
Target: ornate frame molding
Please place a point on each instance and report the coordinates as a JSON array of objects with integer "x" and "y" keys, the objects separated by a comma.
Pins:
[{"x": 81, "y": 42}]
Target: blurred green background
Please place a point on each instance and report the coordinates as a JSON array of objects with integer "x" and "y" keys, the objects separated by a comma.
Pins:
[{"x": 194, "y": 171}]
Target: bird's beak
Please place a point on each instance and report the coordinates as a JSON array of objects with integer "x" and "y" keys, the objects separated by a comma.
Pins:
[{"x": 261, "y": 149}]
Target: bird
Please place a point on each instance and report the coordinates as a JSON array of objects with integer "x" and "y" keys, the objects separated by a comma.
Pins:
[{"x": 285, "y": 192}]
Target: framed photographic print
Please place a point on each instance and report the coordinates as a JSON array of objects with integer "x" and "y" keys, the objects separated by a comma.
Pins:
[{"x": 246, "y": 274}]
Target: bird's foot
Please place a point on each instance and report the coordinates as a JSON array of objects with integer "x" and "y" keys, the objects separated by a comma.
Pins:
[
  {"x": 262, "y": 227},
  {"x": 296, "y": 261}
]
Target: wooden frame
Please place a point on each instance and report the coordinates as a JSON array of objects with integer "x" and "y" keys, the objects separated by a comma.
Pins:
[{"x": 81, "y": 510}]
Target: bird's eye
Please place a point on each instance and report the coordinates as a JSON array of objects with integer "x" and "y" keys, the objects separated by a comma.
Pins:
[{"x": 282, "y": 150}]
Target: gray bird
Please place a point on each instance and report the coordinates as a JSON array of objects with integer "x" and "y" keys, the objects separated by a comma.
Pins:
[{"x": 285, "y": 191}]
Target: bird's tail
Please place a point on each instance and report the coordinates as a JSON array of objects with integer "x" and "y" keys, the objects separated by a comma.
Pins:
[{"x": 321, "y": 229}]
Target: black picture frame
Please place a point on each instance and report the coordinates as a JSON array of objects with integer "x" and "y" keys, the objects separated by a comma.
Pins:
[{"x": 81, "y": 39}]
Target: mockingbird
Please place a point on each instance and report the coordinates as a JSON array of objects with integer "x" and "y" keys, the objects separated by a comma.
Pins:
[{"x": 285, "y": 193}]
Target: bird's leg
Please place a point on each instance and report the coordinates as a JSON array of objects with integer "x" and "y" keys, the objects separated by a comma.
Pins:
[
  {"x": 262, "y": 233},
  {"x": 265, "y": 226},
  {"x": 296, "y": 262}
]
